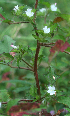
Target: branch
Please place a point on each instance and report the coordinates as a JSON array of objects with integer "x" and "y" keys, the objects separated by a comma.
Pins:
[
  {"x": 67, "y": 52},
  {"x": 26, "y": 100},
  {"x": 35, "y": 11},
  {"x": 18, "y": 67},
  {"x": 27, "y": 63},
  {"x": 47, "y": 45},
  {"x": 36, "y": 54},
  {"x": 18, "y": 22},
  {"x": 35, "y": 68}
]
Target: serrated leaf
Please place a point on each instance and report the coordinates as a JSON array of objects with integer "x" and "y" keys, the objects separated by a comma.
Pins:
[
  {"x": 5, "y": 44},
  {"x": 21, "y": 7},
  {"x": 65, "y": 100}
]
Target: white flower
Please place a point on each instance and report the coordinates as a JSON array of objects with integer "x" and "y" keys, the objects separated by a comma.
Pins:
[
  {"x": 15, "y": 47},
  {"x": 0, "y": 104},
  {"x": 51, "y": 90},
  {"x": 29, "y": 13},
  {"x": 53, "y": 7},
  {"x": 46, "y": 30},
  {"x": 16, "y": 8},
  {"x": 42, "y": 10}
]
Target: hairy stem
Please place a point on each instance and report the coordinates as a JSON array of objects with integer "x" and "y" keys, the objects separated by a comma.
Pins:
[
  {"x": 36, "y": 55},
  {"x": 35, "y": 68}
]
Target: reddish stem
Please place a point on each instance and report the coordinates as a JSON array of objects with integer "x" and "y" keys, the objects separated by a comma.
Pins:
[
  {"x": 35, "y": 68},
  {"x": 36, "y": 55}
]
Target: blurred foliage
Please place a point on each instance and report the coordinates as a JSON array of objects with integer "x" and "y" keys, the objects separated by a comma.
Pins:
[{"x": 21, "y": 82}]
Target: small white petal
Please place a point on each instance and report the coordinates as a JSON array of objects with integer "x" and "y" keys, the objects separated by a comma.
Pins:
[
  {"x": 16, "y": 8},
  {"x": 51, "y": 90},
  {"x": 0, "y": 104},
  {"x": 42, "y": 10},
  {"x": 13, "y": 46},
  {"x": 46, "y": 30},
  {"x": 29, "y": 12},
  {"x": 53, "y": 7}
]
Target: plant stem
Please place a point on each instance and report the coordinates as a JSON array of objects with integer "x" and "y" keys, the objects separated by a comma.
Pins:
[
  {"x": 35, "y": 68},
  {"x": 18, "y": 22},
  {"x": 36, "y": 54},
  {"x": 27, "y": 63}
]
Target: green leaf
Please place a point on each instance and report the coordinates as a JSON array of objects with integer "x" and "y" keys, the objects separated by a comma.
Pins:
[
  {"x": 5, "y": 44},
  {"x": 67, "y": 114},
  {"x": 1, "y": 9},
  {"x": 68, "y": 49},
  {"x": 65, "y": 16},
  {"x": 17, "y": 90},
  {"x": 21, "y": 7},
  {"x": 53, "y": 27},
  {"x": 47, "y": 4},
  {"x": 12, "y": 103},
  {"x": 8, "y": 56},
  {"x": 7, "y": 21},
  {"x": 4, "y": 96},
  {"x": 65, "y": 100},
  {"x": 68, "y": 109},
  {"x": 17, "y": 81},
  {"x": 59, "y": 37}
]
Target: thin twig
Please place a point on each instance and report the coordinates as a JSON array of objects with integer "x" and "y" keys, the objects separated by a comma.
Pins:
[
  {"x": 20, "y": 67},
  {"x": 17, "y": 67},
  {"x": 64, "y": 70},
  {"x": 47, "y": 45},
  {"x": 67, "y": 52},
  {"x": 18, "y": 22},
  {"x": 26, "y": 100},
  {"x": 27, "y": 63}
]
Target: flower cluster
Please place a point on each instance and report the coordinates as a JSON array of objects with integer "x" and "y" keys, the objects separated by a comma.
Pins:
[{"x": 29, "y": 12}]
